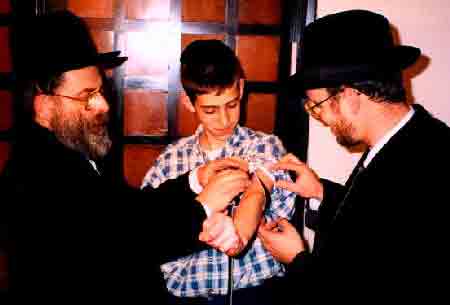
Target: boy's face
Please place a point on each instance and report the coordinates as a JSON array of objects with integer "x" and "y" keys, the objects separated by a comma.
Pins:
[{"x": 219, "y": 114}]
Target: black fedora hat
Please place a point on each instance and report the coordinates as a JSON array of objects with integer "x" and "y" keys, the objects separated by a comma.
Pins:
[
  {"x": 347, "y": 47},
  {"x": 59, "y": 41}
]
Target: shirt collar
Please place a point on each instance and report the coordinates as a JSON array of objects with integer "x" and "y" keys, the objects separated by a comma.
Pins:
[
  {"x": 379, "y": 145},
  {"x": 234, "y": 140}
]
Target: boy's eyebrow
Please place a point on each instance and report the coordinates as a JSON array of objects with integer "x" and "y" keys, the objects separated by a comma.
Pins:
[{"x": 234, "y": 99}]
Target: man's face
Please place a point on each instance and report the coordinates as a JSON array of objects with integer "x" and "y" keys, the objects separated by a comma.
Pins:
[
  {"x": 219, "y": 115},
  {"x": 335, "y": 114},
  {"x": 80, "y": 125}
]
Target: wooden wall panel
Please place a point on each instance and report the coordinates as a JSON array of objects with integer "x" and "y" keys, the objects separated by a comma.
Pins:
[
  {"x": 203, "y": 10},
  {"x": 5, "y": 149},
  {"x": 93, "y": 9},
  {"x": 148, "y": 53},
  {"x": 6, "y": 111},
  {"x": 137, "y": 160},
  {"x": 186, "y": 121},
  {"x": 104, "y": 40},
  {"x": 266, "y": 12},
  {"x": 259, "y": 57},
  {"x": 260, "y": 113},
  {"x": 5, "y": 52},
  {"x": 145, "y": 113},
  {"x": 5, "y": 6},
  {"x": 148, "y": 9}
]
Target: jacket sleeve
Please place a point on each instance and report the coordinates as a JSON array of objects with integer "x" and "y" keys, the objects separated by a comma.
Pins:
[
  {"x": 333, "y": 195},
  {"x": 300, "y": 273},
  {"x": 177, "y": 218}
]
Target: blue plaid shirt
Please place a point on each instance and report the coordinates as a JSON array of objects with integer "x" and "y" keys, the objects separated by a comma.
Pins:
[{"x": 206, "y": 272}]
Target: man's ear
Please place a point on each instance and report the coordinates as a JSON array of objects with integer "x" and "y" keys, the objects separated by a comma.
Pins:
[
  {"x": 352, "y": 96},
  {"x": 350, "y": 92},
  {"x": 43, "y": 110},
  {"x": 241, "y": 87},
  {"x": 186, "y": 102}
]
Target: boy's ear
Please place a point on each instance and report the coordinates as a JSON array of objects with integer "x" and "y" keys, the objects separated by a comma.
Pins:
[
  {"x": 186, "y": 102},
  {"x": 241, "y": 87}
]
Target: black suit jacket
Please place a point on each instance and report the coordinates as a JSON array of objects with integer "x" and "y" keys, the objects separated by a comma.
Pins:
[
  {"x": 385, "y": 238},
  {"x": 75, "y": 235}
]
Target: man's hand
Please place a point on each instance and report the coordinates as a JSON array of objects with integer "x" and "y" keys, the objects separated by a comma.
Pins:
[
  {"x": 210, "y": 169},
  {"x": 307, "y": 184},
  {"x": 222, "y": 188},
  {"x": 219, "y": 232},
  {"x": 281, "y": 239}
]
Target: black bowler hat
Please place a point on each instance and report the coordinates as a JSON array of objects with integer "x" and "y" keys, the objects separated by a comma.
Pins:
[
  {"x": 59, "y": 41},
  {"x": 349, "y": 46}
]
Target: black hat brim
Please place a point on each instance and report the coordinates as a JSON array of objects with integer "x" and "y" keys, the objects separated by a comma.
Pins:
[
  {"x": 107, "y": 60},
  {"x": 110, "y": 60}
]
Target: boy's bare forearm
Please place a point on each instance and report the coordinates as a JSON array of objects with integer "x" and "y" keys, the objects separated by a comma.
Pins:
[{"x": 248, "y": 214}]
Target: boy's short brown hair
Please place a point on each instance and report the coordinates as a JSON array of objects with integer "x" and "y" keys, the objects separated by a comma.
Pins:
[{"x": 209, "y": 66}]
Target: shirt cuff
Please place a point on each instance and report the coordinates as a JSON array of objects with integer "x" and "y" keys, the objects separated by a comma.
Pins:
[
  {"x": 193, "y": 181},
  {"x": 207, "y": 210}
]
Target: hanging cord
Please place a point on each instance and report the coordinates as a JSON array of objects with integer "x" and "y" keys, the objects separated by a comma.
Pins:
[
  {"x": 230, "y": 287},
  {"x": 234, "y": 204}
]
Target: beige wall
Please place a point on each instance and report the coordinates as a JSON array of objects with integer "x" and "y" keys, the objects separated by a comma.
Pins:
[{"x": 421, "y": 23}]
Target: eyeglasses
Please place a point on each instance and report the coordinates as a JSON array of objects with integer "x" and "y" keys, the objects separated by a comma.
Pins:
[
  {"x": 313, "y": 108},
  {"x": 89, "y": 100}
]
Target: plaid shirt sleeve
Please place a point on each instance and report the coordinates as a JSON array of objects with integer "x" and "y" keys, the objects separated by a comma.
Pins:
[
  {"x": 154, "y": 176},
  {"x": 269, "y": 149},
  {"x": 165, "y": 167}
]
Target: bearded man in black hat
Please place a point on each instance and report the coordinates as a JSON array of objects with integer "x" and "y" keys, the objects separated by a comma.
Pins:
[
  {"x": 382, "y": 235},
  {"x": 74, "y": 234}
]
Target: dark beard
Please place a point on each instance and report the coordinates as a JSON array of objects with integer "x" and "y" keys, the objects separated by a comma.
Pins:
[
  {"x": 347, "y": 141},
  {"x": 344, "y": 135},
  {"x": 91, "y": 138}
]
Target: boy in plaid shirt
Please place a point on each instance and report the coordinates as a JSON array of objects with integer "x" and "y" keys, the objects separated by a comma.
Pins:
[{"x": 213, "y": 79}]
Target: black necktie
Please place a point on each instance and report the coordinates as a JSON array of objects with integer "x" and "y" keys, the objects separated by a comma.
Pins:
[
  {"x": 359, "y": 169},
  {"x": 312, "y": 216}
]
